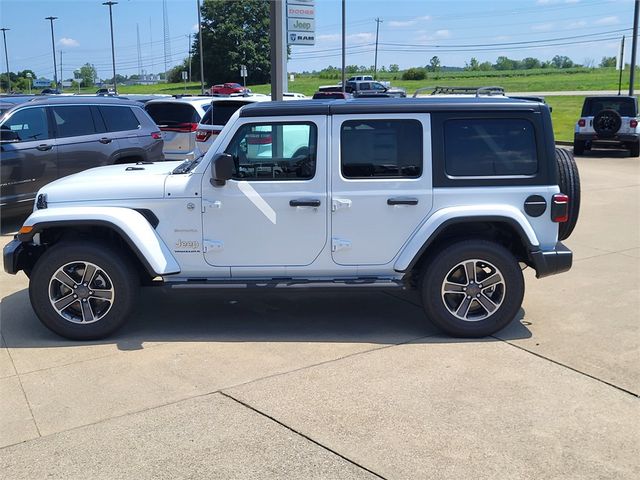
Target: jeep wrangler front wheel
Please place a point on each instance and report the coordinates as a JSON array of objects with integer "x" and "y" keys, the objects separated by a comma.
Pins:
[
  {"x": 82, "y": 291},
  {"x": 472, "y": 288}
]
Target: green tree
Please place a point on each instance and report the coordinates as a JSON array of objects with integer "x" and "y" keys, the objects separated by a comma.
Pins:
[
  {"x": 504, "y": 63},
  {"x": 434, "y": 64},
  {"x": 530, "y": 62},
  {"x": 561, "y": 61},
  {"x": 233, "y": 34},
  {"x": 607, "y": 62},
  {"x": 473, "y": 65},
  {"x": 87, "y": 73},
  {"x": 485, "y": 66},
  {"x": 394, "y": 68}
]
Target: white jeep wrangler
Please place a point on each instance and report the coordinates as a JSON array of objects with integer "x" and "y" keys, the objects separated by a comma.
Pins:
[{"x": 450, "y": 196}]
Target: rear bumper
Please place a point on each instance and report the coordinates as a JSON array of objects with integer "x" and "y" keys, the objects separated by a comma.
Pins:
[
  {"x": 551, "y": 262},
  {"x": 619, "y": 138}
]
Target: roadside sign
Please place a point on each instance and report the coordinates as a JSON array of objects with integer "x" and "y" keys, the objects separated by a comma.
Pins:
[
  {"x": 301, "y": 22},
  {"x": 184, "y": 75},
  {"x": 243, "y": 71}
]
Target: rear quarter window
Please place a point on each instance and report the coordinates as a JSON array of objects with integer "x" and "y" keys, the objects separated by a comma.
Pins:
[{"x": 480, "y": 147}]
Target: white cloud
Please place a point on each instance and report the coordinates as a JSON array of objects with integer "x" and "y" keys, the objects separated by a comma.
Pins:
[
  {"x": 542, "y": 27},
  {"x": 611, "y": 20},
  {"x": 328, "y": 38},
  {"x": 577, "y": 24},
  {"x": 408, "y": 23},
  {"x": 68, "y": 42},
  {"x": 194, "y": 28},
  {"x": 364, "y": 37},
  {"x": 442, "y": 34}
]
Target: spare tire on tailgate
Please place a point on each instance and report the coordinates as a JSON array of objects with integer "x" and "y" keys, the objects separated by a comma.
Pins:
[{"x": 569, "y": 183}]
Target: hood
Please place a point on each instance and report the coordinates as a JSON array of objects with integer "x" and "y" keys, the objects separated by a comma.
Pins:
[{"x": 114, "y": 182}]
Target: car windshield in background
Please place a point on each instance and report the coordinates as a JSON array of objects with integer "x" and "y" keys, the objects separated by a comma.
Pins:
[
  {"x": 221, "y": 112},
  {"x": 625, "y": 106},
  {"x": 171, "y": 113}
]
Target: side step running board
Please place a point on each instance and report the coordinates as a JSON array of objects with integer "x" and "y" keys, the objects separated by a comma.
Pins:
[{"x": 289, "y": 283}]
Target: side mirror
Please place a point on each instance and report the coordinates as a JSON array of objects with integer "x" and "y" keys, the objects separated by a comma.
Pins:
[
  {"x": 7, "y": 135},
  {"x": 222, "y": 167}
]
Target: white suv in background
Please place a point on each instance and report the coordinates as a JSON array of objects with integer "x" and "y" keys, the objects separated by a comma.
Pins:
[
  {"x": 216, "y": 117},
  {"x": 177, "y": 119}
]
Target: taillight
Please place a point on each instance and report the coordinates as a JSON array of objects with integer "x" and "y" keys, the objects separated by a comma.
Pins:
[
  {"x": 259, "y": 139},
  {"x": 633, "y": 123},
  {"x": 202, "y": 135},
  {"x": 180, "y": 127},
  {"x": 156, "y": 135},
  {"x": 582, "y": 122},
  {"x": 560, "y": 208}
]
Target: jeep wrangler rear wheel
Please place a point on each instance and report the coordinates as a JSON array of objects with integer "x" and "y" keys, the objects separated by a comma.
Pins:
[
  {"x": 578, "y": 147},
  {"x": 634, "y": 149},
  {"x": 82, "y": 291},
  {"x": 472, "y": 288}
]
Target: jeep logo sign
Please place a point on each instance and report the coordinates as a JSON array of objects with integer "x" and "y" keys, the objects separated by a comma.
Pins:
[{"x": 301, "y": 25}]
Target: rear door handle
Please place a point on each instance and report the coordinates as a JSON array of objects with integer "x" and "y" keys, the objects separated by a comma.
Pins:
[
  {"x": 44, "y": 147},
  {"x": 304, "y": 202},
  {"x": 402, "y": 201},
  {"x": 105, "y": 140}
]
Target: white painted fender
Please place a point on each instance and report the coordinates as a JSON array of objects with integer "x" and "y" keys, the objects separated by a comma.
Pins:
[
  {"x": 140, "y": 235},
  {"x": 427, "y": 229}
]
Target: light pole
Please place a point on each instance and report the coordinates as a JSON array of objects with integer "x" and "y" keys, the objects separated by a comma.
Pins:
[
  {"x": 200, "y": 42},
  {"x": 113, "y": 51},
  {"x": 53, "y": 49},
  {"x": 6, "y": 56},
  {"x": 29, "y": 80}
]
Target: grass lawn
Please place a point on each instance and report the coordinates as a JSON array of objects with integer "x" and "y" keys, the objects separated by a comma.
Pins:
[{"x": 565, "y": 114}]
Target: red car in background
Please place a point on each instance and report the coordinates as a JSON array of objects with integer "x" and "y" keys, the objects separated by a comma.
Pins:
[{"x": 228, "y": 89}]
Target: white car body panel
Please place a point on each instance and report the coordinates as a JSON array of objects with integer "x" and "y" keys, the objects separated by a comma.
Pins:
[{"x": 128, "y": 221}]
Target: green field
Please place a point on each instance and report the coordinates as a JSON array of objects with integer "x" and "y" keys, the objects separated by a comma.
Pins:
[{"x": 566, "y": 109}]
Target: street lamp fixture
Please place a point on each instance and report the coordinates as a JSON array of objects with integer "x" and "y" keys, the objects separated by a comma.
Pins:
[
  {"x": 6, "y": 56},
  {"x": 53, "y": 49},
  {"x": 113, "y": 51}
]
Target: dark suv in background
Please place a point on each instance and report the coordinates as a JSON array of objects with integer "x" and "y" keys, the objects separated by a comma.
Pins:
[{"x": 49, "y": 138}]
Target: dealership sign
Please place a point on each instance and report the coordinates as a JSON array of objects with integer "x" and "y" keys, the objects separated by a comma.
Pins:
[{"x": 301, "y": 22}]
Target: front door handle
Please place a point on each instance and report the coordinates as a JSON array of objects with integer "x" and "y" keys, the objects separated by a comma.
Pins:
[
  {"x": 304, "y": 202},
  {"x": 402, "y": 201},
  {"x": 44, "y": 147},
  {"x": 105, "y": 140}
]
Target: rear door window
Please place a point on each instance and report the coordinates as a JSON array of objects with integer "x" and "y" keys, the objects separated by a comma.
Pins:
[
  {"x": 486, "y": 147},
  {"x": 73, "y": 120},
  {"x": 172, "y": 114},
  {"x": 119, "y": 119}
]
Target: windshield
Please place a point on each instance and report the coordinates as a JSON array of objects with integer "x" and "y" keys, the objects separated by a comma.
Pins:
[
  {"x": 187, "y": 165},
  {"x": 625, "y": 106}
]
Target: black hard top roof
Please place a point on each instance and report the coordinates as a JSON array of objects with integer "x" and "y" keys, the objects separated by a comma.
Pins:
[{"x": 385, "y": 105}]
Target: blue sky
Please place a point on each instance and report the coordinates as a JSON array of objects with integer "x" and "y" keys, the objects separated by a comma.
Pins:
[{"x": 411, "y": 33}]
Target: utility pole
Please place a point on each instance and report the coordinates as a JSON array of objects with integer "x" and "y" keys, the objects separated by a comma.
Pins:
[
  {"x": 61, "y": 77},
  {"x": 634, "y": 45},
  {"x": 6, "y": 56},
  {"x": 278, "y": 48},
  {"x": 375, "y": 62},
  {"x": 113, "y": 50},
  {"x": 189, "y": 52},
  {"x": 53, "y": 49},
  {"x": 201, "y": 58},
  {"x": 621, "y": 57},
  {"x": 344, "y": 50}
]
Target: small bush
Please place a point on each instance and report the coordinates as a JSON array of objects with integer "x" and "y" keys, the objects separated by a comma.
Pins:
[{"x": 414, "y": 74}]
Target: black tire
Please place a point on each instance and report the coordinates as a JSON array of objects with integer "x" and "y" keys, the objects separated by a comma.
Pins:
[
  {"x": 606, "y": 123},
  {"x": 634, "y": 150},
  {"x": 438, "y": 306},
  {"x": 578, "y": 147},
  {"x": 114, "y": 277},
  {"x": 569, "y": 183}
]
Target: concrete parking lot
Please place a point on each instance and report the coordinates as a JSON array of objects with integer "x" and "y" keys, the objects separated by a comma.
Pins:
[{"x": 207, "y": 385}]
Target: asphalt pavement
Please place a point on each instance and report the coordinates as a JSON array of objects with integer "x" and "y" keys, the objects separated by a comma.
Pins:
[{"x": 342, "y": 385}]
